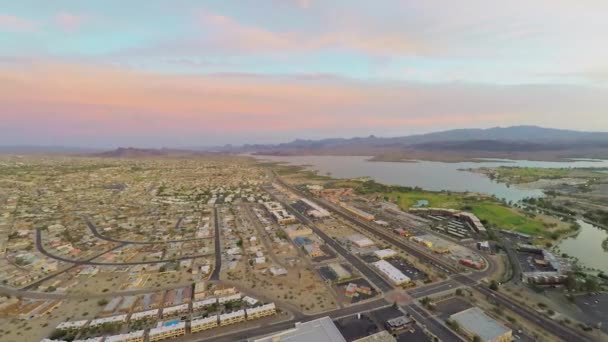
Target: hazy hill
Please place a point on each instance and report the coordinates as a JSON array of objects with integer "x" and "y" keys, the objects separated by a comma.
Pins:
[{"x": 520, "y": 142}]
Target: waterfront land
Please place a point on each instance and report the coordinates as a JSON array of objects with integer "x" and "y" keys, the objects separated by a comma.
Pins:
[{"x": 230, "y": 240}]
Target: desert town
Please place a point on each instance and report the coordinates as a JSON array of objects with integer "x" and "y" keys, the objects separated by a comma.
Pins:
[{"x": 226, "y": 248}]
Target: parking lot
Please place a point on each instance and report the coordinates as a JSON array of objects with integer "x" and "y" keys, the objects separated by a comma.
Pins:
[
  {"x": 450, "y": 306},
  {"x": 329, "y": 254},
  {"x": 353, "y": 328},
  {"x": 596, "y": 308},
  {"x": 407, "y": 269}
]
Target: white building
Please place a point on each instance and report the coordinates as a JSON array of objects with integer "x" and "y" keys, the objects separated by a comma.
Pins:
[
  {"x": 128, "y": 337},
  {"x": 231, "y": 298},
  {"x": 361, "y": 241},
  {"x": 385, "y": 253},
  {"x": 391, "y": 272}
]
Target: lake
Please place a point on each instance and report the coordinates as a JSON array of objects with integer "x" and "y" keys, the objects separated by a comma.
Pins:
[
  {"x": 429, "y": 175},
  {"x": 587, "y": 246}
]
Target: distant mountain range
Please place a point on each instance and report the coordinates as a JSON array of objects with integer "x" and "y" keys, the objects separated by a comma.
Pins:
[{"x": 516, "y": 142}]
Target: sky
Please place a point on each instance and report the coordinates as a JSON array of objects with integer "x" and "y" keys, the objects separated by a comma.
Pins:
[{"x": 183, "y": 73}]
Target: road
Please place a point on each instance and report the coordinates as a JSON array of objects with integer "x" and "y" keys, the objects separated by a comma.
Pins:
[
  {"x": 269, "y": 329},
  {"x": 100, "y": 236},
  {"x": 217, "y": 269},
  {"x": 431, "y": 289},
  {"x": 431, "y": 323},
  {"x": 89, "y": 261},
  {"x": 372, "y": 276},
  {"x": 547, "y": 324}
]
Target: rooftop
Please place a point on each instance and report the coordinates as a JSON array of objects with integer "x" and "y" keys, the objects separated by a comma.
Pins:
[
  {"x": 475, "y": 321},
  {"x": 319, "y": 330}
]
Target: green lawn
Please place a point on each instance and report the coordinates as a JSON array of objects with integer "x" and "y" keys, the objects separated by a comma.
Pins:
[
  {"x": 506, "y": 218},
  {"x": 436, "y": 199},
  {"x": 494, "y": 213}
]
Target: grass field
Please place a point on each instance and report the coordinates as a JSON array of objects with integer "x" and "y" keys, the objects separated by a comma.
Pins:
[
  {"x": 506, "y": 218},
  {"x": 436, "y": 199},
  {"x": 494, "y": 213}
]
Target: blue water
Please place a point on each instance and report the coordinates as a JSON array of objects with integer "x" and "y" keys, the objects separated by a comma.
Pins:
[{"x": 429, "y": 175}]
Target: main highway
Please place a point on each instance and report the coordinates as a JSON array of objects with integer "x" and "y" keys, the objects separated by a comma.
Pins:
[{"x": 471, "y": 280}]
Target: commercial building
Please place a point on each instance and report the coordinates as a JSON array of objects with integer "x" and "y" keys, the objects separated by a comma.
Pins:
[
  {"x": 385, "y": 253},
  {"x": 391, "y": 272},
  {"x": 474, "y": 322},
  {"x": 232, "y": 317},
  {"x": 316, "y": 210},
  {"x": 272, "y": 206},
  {"x": 358, "y": 212},
  {"x": 134, "y": 336},
  {"x": 198, "y": 325},
  {"x": 339, "y": 270},
  {"x": 383, "y": 336},
  {"x": 398, "y": 323},
  {"x": 318, "y": 330},
  {"x": 314, "y": 251},
  {"x": 261, "y": 311},
  {"x": 283, "y": 217},
  {"x": 297, "y": 231},
  {"x": 469, "y": 218},
  {"x": 360, "y": 240},
  {"x": 162, "y": 332}
]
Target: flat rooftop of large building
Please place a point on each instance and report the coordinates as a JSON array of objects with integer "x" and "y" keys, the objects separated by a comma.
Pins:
[
  {"x": 319, "y": 330},
  {"x": 475, "y": 321}
]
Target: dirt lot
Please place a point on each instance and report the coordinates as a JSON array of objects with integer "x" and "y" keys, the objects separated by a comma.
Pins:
[{"x": 302, "y": 287}]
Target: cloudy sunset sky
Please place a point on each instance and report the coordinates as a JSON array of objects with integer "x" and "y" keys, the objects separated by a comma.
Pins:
[{"x": 194, "y": 73}]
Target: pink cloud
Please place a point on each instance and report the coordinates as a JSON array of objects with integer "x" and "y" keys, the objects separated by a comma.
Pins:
[
  {"x": 230, "y": 34},
  {"x": 70, "y": 22},
  {"x": 70, "y": 100},
  {"x": 13, "y": 23}
]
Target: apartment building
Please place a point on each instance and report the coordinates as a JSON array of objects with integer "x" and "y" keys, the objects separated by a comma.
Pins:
[
  {"x": 261, "y": 311},
  {"x": 198, "y": 325}
]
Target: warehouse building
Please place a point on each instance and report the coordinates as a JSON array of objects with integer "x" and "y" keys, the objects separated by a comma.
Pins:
[
  {"x": 358, "y": 212},
  {"x": 391, "y": 272},
  {"x": 361, "y": 241},
  {"x": 474, "y": 322},
  {"x": 385, "y": 253}
]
